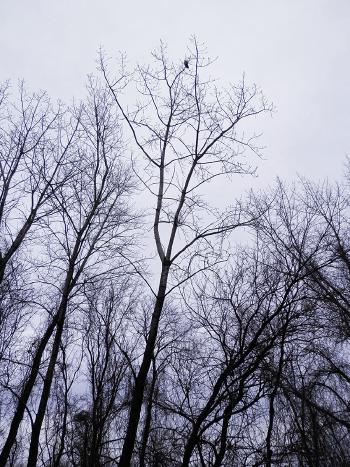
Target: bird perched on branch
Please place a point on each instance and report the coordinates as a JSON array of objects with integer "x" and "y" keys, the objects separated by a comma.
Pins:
[{"x": 186, "y": 63}]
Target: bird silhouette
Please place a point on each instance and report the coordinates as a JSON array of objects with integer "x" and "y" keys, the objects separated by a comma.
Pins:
[{"x": 186, "y": 63}]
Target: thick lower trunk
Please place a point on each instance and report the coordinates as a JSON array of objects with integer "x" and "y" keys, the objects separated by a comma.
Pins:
[
  {"x": 26, "y": 391},
  {"x": 315, "y": 438},
  {"x": 140, "y": 381},
  {"x": 96, "y": 442},
  {"x": 190, "y": 447},
  {"x": 34, "y": 442}
]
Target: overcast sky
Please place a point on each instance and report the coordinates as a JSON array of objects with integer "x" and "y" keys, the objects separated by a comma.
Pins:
[{"x": 297, "y": 51}]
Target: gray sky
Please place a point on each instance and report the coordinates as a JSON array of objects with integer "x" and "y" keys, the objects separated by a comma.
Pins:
[{"x": 297, "y": 51}]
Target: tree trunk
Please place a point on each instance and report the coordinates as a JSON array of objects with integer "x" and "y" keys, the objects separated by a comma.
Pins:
[
  {"x": 140, "y": 381},
  {"x": 269, "y": 451},
  {"x": 26, "y": 391},
  {"x": 223, "y": 437},
  {"x": 57, "y": 458},
  {"x": 34, "y": 442},
  {"x": 148, "y": 419}
]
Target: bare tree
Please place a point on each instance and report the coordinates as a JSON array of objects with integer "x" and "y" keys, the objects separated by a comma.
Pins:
[
  {"x": 34, "y": 144},
  {"x": 193, "y": 349},
  {"x": 88, "y": 224},
  {"x": 305, "y": 224},
  {"x": 189, "y": 133},
  {"x": 62, "y": 398},
  {"x": 95, "y": 228},
  {"x": 107, "y": 318}
]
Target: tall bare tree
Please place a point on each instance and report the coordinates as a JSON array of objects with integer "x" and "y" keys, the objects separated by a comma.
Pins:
[
  {"x": 88, "y": 225},
  {"x": 94, "y": 218},
  {"x": 189, "y": 133}
]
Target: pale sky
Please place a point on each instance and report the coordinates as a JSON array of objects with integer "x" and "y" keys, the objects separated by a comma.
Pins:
[{"x": 297, "y": 51}]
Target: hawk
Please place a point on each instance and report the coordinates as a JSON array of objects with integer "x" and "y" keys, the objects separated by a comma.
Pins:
[{"x": 186, "y": 63}]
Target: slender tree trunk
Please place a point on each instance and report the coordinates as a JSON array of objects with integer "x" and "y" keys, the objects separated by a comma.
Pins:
[
  {"x": 57, "y": 458},
  {"x": 148, "y": 419},
  {"x": 34, "y": 442},
  {"x": 273, "y": 395},
  {"x": 16, "y": 243},
  {"x": 269, "y": 431},
  {"x": 193, "y": 438},
  {"x": 223, "y": 437},
  {"x": 26, "y": 391},
  {"x": 140, "y": 381}
]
